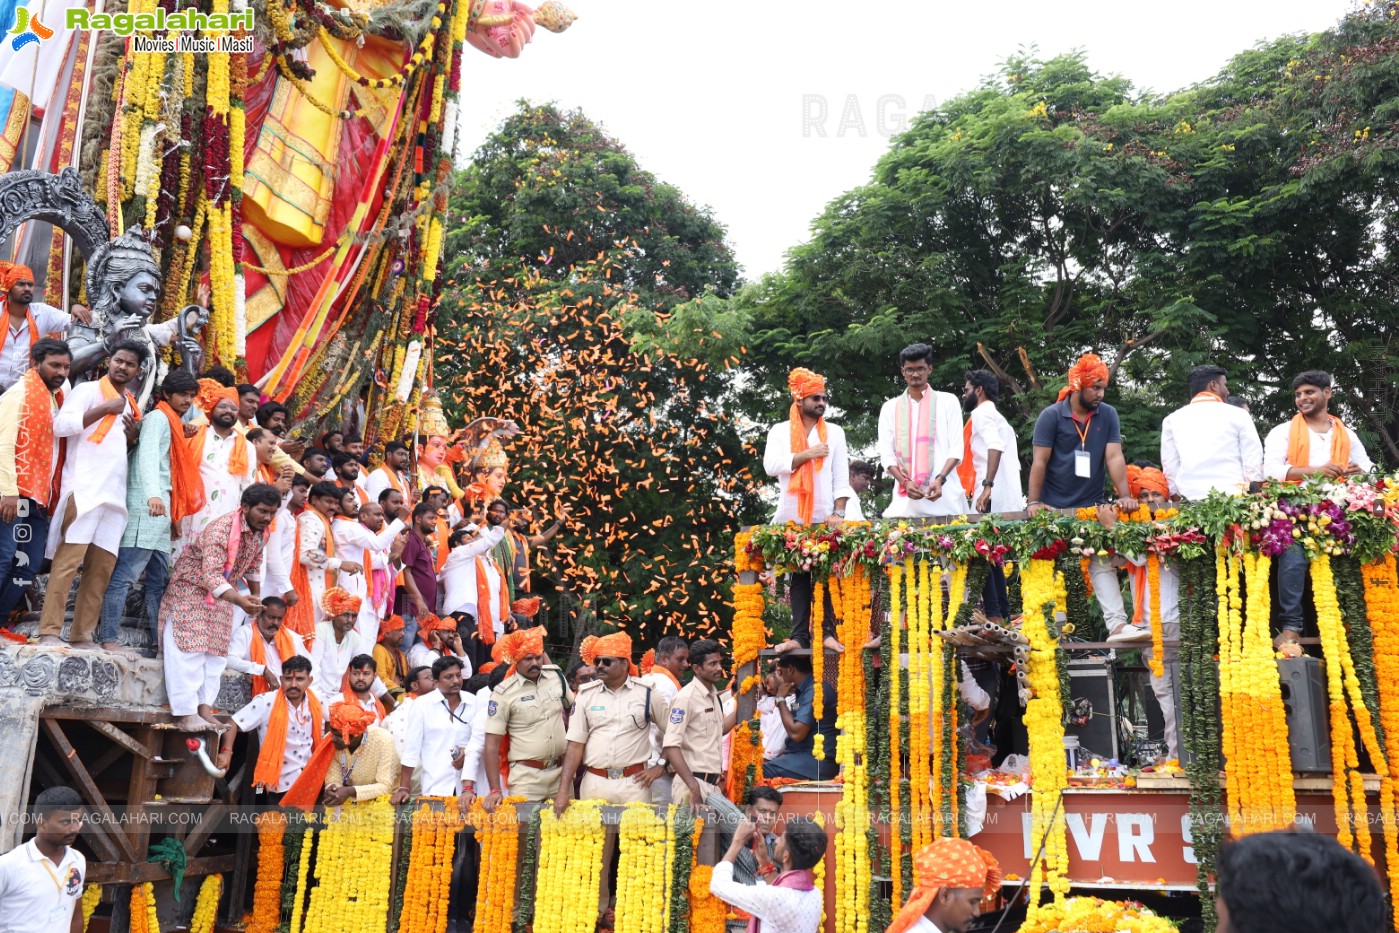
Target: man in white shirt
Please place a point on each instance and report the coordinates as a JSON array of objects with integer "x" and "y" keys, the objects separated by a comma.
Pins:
[
  {"x": 318, "y": 556},
  {"x": 28, "y": 321},
  {"x": 256, "y": 648},
  {"x": 101, "y": 420},
  {"x": 337, "y": 644},
  {"x": 810, "y": 461},
  {"x": 419, "y": 683},
  {"x": 391, "y": 474},
  {"x": 994, "y": 457},
  {"x": 41, "y": 882},
  {"x": 227, "y": 460},
  {"x": 1208, "y": 444},
  {"x": 1314, "y": 443},
  {"x": 769, "y": 719},
  {"x": 442, "y": 743},
  {"x": 861, "y": 477},
  {"x": 791, "y": 903},
  {"x": 278, "y": 768},
  {"x": 952, "y": 879},
  {"x": 280, "y": 553},
  {"x": 364, "y": 533},
  {"x": 920, "y": 442}
]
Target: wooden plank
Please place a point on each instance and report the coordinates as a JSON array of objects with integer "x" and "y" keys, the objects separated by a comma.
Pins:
[
  {"x": 141, "y": 789},
  {"x": 136, "y": 873},
  {"x": 119, "y": 737},
  {"x": 208, "y": 820},
  {"x": 110, "y": 757},
  {"x": 109, "y": 714},
  {"x": 94, "y": 796}
]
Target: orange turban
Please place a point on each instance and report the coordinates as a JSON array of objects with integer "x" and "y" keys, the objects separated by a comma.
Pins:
[
  {"x": 1139, "y": 478},
  {"x": 487, "y": 667},
  {"x": 528, "y": 607},
  {"x": 648, "y": 661},
  {"x": 1088, "y": 370},
  {"x": 391, "y": 624},
  {"x": 349, "y": 719},
  {"x": 13, "y": 274},
  {"x": 616, "y": 645},
  {"x": 509, "y": 649},
  {"x": 337, "y": 601},
  {"x": 803, "y": 382},
  {"x": 947, "y": 863},
  {"x": 211, "y": 393},
  {"x": 431, "y": 623}
]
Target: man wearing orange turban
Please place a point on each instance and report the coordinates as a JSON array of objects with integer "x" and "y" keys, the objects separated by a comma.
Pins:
[
  {"x": 953, "y": 880},
  {"x": 354, "y": 760},
  {"x": 438, "y": 638},
  {"x": 1078, "y": 444},
  {"x": 609, "y": 733},
  {"x": 336, "y": 644},
  {"x": 527, "y": 708},
  {"x": 27, "y": 321},
  {"x": 227, "y": 461},
  {"x": 812, "y": 465},
  {"x": 1208, "y": 444},
  {"x": 389, "y": 658}
]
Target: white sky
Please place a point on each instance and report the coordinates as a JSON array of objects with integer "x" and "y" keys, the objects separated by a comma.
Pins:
[{"x": 712, "y": 98}]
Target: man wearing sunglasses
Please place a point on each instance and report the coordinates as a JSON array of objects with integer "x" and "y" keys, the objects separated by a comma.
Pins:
[{"x": 609, "y": 730}]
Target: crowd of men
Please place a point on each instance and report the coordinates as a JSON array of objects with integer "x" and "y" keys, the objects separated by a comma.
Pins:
[{"x": 943, "y": 466}]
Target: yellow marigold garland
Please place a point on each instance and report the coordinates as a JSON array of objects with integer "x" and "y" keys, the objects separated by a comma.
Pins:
[
  {"x": 267, "y": 891},
  {"x": 570, "y": 860},
  {"x": 818, "y": 874},
  {"x": 352, "y": 884},
  {"x": 919, "y": 789},
  {"x": 499, "y": 837},
  {"x": 818, "y": 664},
  {"x": 1092, "y": 914},
  {"x": 143, "y": 913},
  {"x": 206, "y": 906},
  {"x": 1044, "y": 721},
  {"x": 429, "y": 883},
  {"x": 896, "y": 577},
  {"x": 641, "y": 873},
  {"x": 852, "y": 878},
  {"x": 91, "y": 895}
]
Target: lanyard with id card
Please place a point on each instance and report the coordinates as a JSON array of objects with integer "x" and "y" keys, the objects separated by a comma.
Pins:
[{"x": 1083, "y": 462}]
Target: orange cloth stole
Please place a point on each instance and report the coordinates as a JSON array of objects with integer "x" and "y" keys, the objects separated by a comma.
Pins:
[
  {"x": 109, "y": 392},
  {"x": 257, "y": 653},
  {"x": 302, "y": 617},
  {"x": 1299, "y": 443},
  {"x": 36, "y": 470},
  {"x": 186, "y": 485},
  {"x": 485, "y": 619},
  {"x": 443, "y": 535},
  {"x": 966, "y": 470},
  {"x": 803, "y": 482},
  {"x": 268, "y": 772},
  {"x": 237, "y": 458}
]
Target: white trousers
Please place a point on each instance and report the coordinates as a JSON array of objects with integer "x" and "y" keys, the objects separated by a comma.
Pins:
[{"x": 191, "y": 678}]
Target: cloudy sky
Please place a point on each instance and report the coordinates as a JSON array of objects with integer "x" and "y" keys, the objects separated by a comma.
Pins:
[{"x": 766, "y": 111}]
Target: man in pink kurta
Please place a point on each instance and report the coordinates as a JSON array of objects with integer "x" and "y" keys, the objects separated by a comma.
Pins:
[{"x": 196, "y": 615}]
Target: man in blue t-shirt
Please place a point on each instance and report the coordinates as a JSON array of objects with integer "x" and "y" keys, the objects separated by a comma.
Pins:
[
  {"x": 799, "y": 719},
  {"x": 1078, "y": 445}
]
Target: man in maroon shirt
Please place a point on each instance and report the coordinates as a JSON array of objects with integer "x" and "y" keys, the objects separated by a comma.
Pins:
[{"x": 418, "y": 597}]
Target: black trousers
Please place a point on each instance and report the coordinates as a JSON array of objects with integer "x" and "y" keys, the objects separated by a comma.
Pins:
[
  {"x": 994, "y": 597},
  {"x": 800, "y": 589}
]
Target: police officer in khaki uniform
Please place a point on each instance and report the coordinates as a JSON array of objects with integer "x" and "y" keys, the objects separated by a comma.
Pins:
[
  {"x": 528, "y": 706},
  {"x": 694, "y": 738},
  {"x": 609, "y": 730}
]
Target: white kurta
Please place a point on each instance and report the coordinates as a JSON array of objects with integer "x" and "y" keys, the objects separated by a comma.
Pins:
[
  {"x": 279, "y": 554},
  {"x": 991, "y": 431},
  {"x": 946, "y": 444},
  {"x": 313, "y": 555},
  {"x": 240, "y": 652},
  {"x": 1208, "y": 445},
  {"x": 832, "y": 479},
  {"x": 378, "y": 480},
  {"x": 94, "y": 475},
  {"x": 331, "y": 660},
  {"x": 458, "y": 576},
  {"x": 351, "y": 541}
]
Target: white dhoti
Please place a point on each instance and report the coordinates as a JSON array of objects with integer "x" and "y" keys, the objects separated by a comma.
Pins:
[{"x": 192, "y": 678}]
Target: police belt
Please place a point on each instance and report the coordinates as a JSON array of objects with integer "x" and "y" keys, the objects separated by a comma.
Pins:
[
  {"x": 614, "y": 774},
  {"x": 708, "y": 777},
  {"x": 548, "y": 764}
]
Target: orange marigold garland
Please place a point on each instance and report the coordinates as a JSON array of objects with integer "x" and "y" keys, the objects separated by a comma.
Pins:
[
  {"x": 1382, "y": 608},
  {"x": 267, "y": 890},
  {"x": 499, "y": 837},
  {"x": 434, "y": 831},
  {"x": 1153, "y": 578}
]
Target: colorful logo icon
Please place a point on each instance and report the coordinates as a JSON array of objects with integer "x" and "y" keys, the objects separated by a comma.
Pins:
[{"x": 27, "y": 30}]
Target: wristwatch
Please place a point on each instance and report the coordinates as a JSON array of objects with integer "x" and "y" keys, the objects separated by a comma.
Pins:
[
  {"x": 839, "y": 512},
  {"x": 988, "y": 483},
  {"x": 942, "y": 478}
]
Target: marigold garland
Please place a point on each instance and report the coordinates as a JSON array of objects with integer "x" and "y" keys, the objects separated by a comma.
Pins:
[
  {"x": 435, "y": 825},
  {"x": 1153, "y": 578},
  {"x": 143, "y": 913},
  {"x": 498, "y": 834},
  {"x": 570, "y": 862},
  {"x": 818, "y": 874},
  {"x": 352, "y": 885},
  {"x": 1044, "y": 721},
  {"x": 894, "y": 673},
  {"x": 267, "y": 889},
  {"x": 749, "y": 631},
  {"x": 91, "y": 895},
  {"x": 818, "y": 664},
  {"x": 640, "y": 901},
  {"x": 1381, "y": 585},
  {"x": 1092, "y": 914},
  {"x": 206, "y": 906}
]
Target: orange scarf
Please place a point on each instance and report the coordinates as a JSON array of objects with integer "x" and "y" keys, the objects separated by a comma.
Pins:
[
  {"x": 1299, "y": 443},
  {"x": 966, "y": 470},
  {"x": 109, "y": 392},
  {"x": 5, "y": 330},
  {"x": 349, "y": 696},
  {"x": 485, "y": 621},
  {"x": 268, "y": 475},
  {"x": 186, "y": 485},
  {"x": 443, "y": 537},
  {"x": 35, "y": 470},
  {"x": 394, "y": 481},
  {"x": 803, "y": 482},
  {"x": 268, "y": 772},
  {"x": 301, "y": 618},
  {"x": 257, "y": 653},
  {"x": 666, "y": 671},
  {"x": 237, "y": 458}
]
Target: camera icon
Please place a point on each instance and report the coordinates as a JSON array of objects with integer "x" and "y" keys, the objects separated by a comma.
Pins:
[{"x": 22, "y": 533}]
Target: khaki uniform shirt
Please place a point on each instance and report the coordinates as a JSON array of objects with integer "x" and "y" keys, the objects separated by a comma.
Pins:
[
  {"x": 613, "y": 726},
  {"x": 531, "y": 713},
  {"x": 696, "y": 727}
]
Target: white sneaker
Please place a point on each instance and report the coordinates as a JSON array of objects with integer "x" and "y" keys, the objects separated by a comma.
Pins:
[{"x": 1130, "y": 633}]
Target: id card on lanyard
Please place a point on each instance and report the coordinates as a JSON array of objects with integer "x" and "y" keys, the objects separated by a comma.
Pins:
[{"x": 1083, "y": 463}]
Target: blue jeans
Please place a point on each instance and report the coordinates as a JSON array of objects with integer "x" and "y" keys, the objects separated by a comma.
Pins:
[
  {"x": 1292, "y": 584},
  {"x": 131, "y": 562},
  {"x": 21, "y": 549}
]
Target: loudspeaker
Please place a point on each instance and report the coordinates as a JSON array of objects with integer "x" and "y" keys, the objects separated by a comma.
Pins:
[
  {"x": 1304, "y": 702},
  {"x": 1093, "y": 708}
]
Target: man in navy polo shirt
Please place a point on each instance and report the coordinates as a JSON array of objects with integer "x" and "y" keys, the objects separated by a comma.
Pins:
[{"x": 1078, "y": 445}]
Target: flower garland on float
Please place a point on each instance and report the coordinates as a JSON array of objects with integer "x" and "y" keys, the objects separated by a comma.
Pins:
[
  {"x": 267, "y": 889},
  {"x": 142, "y": 906},
  {"x": 641, "y": 872},
  {"x": 1381, "y": 588},
  {"x": 206, "y": 905},
  {"x": 1044, "y": 722},
  {"x": 91, "y": 895},
  {"x": 434, "y": 830},
  {"x": 352, "y": 887},
  {"x": 570, "y": 862},
  {"x": 1094, "y": 914}
]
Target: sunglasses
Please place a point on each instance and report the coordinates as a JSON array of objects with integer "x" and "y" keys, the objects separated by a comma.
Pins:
[{"x": 607, "y": 662}]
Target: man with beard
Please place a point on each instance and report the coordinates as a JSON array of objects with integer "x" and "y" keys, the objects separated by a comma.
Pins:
[
  {"x": 196, "y": 615},
  {"x": 100, "y": 419},
  {"x": 359, "y": 684},
  {"x": 952, "y": 880},
  {"x": 316, "y": 463},
  {"x": 259, "y": 648},
  {"x": 920, "y": 442},
  {"x": 355, "y": 760},
  {"x": 990, "y": 471},
  {"x": 696, "y": 726},
  {"x": 164, "y": 488},
  {"x": 41, "y": 882},
  {"x": 363, "y": 533},
  {"x": 281, "y": 543},
  {"x": 289, "y": 723},
  {"x": 808, "y": 457},
  {"x": 29, "y": 451},
  {"x": 392, "y": 473},
  {"x": 27, "y": 322},
  {"x": 347, "y": 475},
  {"x": 227, "y": 461}
]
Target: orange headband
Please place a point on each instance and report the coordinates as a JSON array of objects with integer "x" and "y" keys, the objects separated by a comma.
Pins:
[
  {"x": 519, "y": 644},
  {"x": 616, "y": 645},
  {"x": 13, "y": 274},
  {"x": 350, "y": 719}
]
